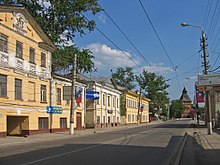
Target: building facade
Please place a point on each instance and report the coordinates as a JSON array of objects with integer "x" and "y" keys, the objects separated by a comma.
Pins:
[
  {"x": 187, "y": 102},
  {"x": 25, "y": 73},
  {"x": 134, "y": 112},
  {"x": 104, "y": 111},
  {"x": 61, "y": 97}
]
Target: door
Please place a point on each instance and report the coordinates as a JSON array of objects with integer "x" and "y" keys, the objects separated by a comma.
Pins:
[{"x": 78, "y": 121}]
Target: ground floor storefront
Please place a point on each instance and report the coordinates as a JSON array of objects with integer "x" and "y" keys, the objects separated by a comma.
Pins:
[{"x": 29, "y": 121}]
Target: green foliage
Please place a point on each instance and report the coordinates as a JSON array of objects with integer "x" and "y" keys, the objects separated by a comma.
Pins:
[
  {"x": 155, "y": 87},
  {"x": 124, "y": 77},
  {"x": 63, "y": 59},
  {"x": 122, "y": 105},
  {"x": 61, "y": 19},
  {"x": 176, "y": 108}
]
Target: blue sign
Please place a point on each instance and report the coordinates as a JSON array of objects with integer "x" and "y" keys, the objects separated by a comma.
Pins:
[
  {"x": 92, "y": 95},
  {"x": 54, "y": 110}
]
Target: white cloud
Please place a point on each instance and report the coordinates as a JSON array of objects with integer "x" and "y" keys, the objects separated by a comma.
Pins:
[
  {"x": 102, "y": 18},
  {"x": 109, "y": 57}
]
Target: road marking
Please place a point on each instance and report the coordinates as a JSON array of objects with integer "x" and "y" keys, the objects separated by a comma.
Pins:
[{"x": 78, "y": 150}]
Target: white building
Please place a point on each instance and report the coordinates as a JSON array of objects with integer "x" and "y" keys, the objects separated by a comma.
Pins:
[{"x": 104, "y": 111}]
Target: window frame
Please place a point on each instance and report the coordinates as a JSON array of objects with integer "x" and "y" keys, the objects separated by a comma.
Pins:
[
  {"x": 63, "y": 122},
  {"x": 43, "y": 93},
  {"x": 59, "y": 96},
  {"x": 3, "y": 43},
  {"x": 32, "y": 56},
  {"x": 19, "y": 50},
  {"x": 3, "y": 85},
  {"x": 43, "y": 59},
  {"x": 109, "y": 100},
  {"x": 43, "y": 123},
  {"x": 18, "y": 89}
]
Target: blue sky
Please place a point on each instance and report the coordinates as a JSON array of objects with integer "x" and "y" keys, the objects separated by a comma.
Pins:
[{"x": 181, "y": 44}]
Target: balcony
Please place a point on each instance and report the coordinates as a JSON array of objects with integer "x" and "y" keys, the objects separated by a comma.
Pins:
[
  {"x": 32, "y": 70},
  {"x": 23, "y": 67},
  {"x": 19, "y": 67},
  {"x": 4, "y": 60}
]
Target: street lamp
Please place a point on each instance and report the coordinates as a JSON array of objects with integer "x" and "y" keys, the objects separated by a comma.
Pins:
[{"x": 205, "y": 72}]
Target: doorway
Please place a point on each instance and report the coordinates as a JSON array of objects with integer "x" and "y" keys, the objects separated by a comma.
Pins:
[
  {"x": 16, "y": 125},
  {"x": 78, "y": 121}
]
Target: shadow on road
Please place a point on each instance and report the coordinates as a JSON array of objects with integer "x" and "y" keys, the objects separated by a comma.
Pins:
[
  {"x": 195, "y": 154},
  {"x": 122, "y": 153}
]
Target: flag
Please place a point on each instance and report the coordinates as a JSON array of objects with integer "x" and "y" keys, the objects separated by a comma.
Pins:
[
  {"x": 78, "y": 95},
  {"x": 199, "y": 95}
]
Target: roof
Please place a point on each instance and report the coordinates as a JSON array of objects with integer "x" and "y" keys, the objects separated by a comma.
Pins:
[
  {"x": 47, "y": 43},
  {"x": 185, "y": 97}
]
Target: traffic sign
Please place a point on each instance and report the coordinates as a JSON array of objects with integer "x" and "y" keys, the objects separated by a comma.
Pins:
[
  {"x": 211, "y": 79},
  {"x": 92, "y": 95},
  {"x": 54, "y": 110}
]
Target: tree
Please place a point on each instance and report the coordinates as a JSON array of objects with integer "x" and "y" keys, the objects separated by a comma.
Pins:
[
  {"x": 61, "y": 20},
  {"x": 155, "y": 89},
  {"x": 124, "y": 77},
  {"x": 176, "y": 108},
  {"x": 63, "y": 59}
]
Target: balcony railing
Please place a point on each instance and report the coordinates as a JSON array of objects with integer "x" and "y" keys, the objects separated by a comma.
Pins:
[
  {"x": 32, "y": 70},
  {"x": 23, "y": 67},
  {"x": 4, "y": 60}
]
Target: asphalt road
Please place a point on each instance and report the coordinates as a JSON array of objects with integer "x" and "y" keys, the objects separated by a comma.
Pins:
[{"x": 153, "y": 144}]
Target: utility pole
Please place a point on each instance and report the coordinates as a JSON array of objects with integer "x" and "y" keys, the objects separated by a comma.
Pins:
[
  {"x": 73, "y": 96},
  {"x": 207, "y": 97},
  {"x": 139, "y": 107}
]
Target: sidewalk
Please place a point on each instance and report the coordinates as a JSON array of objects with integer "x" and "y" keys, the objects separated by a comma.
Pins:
[
  {"x": 205, "y": 140},
  {"x": 13, "y": 140}
]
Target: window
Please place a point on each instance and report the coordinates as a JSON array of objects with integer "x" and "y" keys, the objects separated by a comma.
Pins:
[
  {"x": 43, "y": 122},
  {"x": 67, "y": 94},
  {"x": 98, "y": 102},
  {"x": 117, "y": 103},
  {"x": 59, "y": 96},
  {"x": 3, "y": 43},
  {"x": 3, "y": 85},
  {"x": 63, "y": 122},
  {"x": 129, "y": 118},
  {"x": 43, "y": 59},
  {"x": 109, "y": 101},
  {"x": 43, "y": 93},
  {"x": 32, "y": 55},
  {"x": 31, "y": 91},
  {"x": 113, "y": 101},
  {"x": 109, "y": 119},
  {"x": 18, "y": 89},
  {"x": 103, "y": 99},
  {"x": 19, "y": 49}
]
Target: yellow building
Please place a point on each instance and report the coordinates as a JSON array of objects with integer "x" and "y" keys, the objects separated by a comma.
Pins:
[
  {"x": 132, "y": 100},
  {"x": 61, "y": 97},
  {"x": 25, "y": 73}
]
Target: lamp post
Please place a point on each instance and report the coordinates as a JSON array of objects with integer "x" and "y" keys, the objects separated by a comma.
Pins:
[{"x": 207, "y": 98}]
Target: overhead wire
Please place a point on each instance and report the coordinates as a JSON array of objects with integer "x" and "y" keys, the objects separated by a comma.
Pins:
[
  {"x": 213, "y": 17},
  {"x": 207, "y": 13},
  {"x": 129, "y": 40},
  {"x": 96, "y": 27},
  {"x": 160, "y": 41}
]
